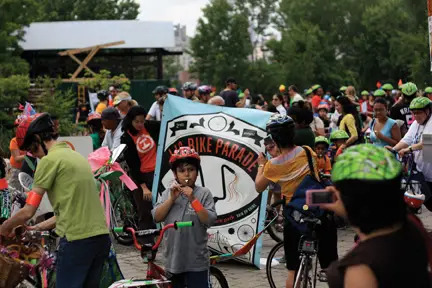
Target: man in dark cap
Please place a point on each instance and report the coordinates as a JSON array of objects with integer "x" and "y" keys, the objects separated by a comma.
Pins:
[
  {"x": 111, "y": 121},
  {"x": 229, "y": 94}
]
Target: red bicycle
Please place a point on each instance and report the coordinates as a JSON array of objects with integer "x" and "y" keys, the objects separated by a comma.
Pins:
[{"x": 156, "y": 276}]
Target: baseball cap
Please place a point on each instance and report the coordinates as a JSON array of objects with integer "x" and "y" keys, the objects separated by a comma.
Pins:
[
  {"x": 110, "y": 113},
  {"x": 123, "y": 96}
]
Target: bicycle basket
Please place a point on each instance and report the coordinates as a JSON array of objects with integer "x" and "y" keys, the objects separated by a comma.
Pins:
[{"x": 11, "y": 272}]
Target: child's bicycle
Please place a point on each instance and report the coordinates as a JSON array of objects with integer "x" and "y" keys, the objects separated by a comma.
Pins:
[{"x": 156, "y": 276}]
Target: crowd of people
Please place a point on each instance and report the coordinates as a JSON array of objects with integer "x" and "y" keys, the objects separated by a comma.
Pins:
[{"x": 352, "y": 138}]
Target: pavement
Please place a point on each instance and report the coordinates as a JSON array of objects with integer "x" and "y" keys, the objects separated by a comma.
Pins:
[{"x": 240, "y": 275}]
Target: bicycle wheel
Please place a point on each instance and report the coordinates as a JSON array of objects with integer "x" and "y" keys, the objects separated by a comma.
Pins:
[
  {"x": 303, "y": 279},
  {"x": 275, "y": 230},
  {"x": 217, "y": 278},
  {"x": 276, "y": 267},
  {"x": 123, "y": 212}
]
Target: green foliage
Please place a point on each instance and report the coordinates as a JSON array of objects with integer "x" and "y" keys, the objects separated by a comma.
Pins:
[
  {"x": 57, "y": 103},
  {"x": 14, "y": 81},
  {"x": 221, "y": 45},
  {"x": 103, "y": 80},
  {"x": 331, "y": 42},
  {"x": 171, "y": 67},
  {"x": 67, "y": 10}
]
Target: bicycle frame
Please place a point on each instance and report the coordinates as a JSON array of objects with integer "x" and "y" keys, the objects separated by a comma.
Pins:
[{"x": 154, "y": 272}]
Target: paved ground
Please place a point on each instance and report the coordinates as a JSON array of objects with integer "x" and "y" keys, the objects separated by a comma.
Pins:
[{"x": 239, "y": 275}]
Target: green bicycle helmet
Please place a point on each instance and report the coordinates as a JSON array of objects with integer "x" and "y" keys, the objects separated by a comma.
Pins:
[
  {"x": 322, "y": 139},
  {"x": 308, "y": 92},
  {"x": 379, "y": 93},
  {"x": 428, "y": 90},
  {"x": 366, "y": 162},
  {"x": 338, "y": 135},
  {"x": 364, "y": 93},
  {"x": 315, "y": 87},
  {"x": 343, "y": 88},
  {"x": 387, "y": 86},
  {"x": 420, "y": 103},
  {"x": 409, "y": 89}
]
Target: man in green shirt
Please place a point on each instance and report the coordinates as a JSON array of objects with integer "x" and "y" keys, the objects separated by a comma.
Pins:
[{"x": 67, "y": 178}]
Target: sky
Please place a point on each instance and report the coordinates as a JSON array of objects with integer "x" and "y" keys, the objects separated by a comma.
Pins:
[{"x": 185, "y": 12}]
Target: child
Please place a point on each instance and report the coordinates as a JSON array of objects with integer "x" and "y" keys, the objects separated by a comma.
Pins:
[
  {"x": 323, "y": 110},
  {"x": 338, "y": 138},
  {"x": 321, "y": 148},
  {"x": 186, "y": 254}
]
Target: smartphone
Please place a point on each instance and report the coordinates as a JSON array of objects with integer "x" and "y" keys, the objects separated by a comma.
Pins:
[{"x": 320, "y": 196}]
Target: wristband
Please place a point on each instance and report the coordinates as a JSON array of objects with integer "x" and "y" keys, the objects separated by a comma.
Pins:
[
  {"x": 197, "y": 206},
  {"x": 33, "y": 199}
]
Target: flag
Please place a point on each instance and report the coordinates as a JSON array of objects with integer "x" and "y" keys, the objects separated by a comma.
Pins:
[{"x": 28, "y": 110}]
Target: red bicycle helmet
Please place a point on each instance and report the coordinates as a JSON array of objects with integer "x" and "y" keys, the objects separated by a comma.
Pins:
[
  {"x": 93, "y": 116},
  {"x": 414, "y": 200},
  {"x": 182, "y": 153},
  {"x": 31, "y": 126},
  {"x": 23, "y": 126}
]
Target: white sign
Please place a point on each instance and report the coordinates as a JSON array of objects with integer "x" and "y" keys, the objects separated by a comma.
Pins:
[{"x": 80, "y": 144}]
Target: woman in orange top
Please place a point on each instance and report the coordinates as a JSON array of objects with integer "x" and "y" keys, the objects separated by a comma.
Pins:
[
  {"x": 288, "y": 170},
  {"x": 141, "y": 158},
  {"x": 16, "y": 161}
]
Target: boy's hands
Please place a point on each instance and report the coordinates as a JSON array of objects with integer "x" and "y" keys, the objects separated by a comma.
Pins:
[
  {"x": 176, "y": 189},
  {"x": 188, "y": 192}
]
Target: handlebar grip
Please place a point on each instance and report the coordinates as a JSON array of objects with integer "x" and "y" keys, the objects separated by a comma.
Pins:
[
  {"x": 183, "y": 224},
  {"x": 118, "y": 230}
]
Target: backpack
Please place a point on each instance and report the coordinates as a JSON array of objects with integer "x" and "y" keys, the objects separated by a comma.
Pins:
[{"x": 293, "y": 211}]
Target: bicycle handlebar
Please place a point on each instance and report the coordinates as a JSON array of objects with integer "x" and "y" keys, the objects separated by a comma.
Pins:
[
  {"x": 160, "y": 232},
  {"x": 277, "y": 203}
]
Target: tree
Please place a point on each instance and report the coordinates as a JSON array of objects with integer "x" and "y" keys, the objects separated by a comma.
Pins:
[
  {"x": 103, "y": 80},
  {"x": 66, "y": 10},
  {"x": 14, "y": 81},
  {"x": 221, "y": 45},
  {"x": 260, "y": 13},
  {"x": 57, "y": 103}
]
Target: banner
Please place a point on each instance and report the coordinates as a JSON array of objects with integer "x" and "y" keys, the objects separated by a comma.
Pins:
[{"x": 228, "y": 141}]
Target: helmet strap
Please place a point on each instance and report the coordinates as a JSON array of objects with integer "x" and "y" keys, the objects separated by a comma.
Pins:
[{"x": 44, "y": 148}]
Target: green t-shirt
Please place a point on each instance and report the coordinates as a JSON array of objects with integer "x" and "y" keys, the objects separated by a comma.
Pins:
[
  {"x": 96, "y": 141},
  {"x": 68, "y": 180}
]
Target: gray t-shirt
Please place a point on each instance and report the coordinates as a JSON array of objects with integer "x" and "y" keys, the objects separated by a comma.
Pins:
[{"x": 186, "y": 248}]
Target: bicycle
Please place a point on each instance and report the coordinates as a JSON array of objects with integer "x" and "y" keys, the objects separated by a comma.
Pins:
[
  {"x": 110, "y": 178},
  {"x": 308, "y": 247},
  {"x": 275, "y": 229},
  {"x": 156, "y": 275},
  {"x": 36, "y": 252}
]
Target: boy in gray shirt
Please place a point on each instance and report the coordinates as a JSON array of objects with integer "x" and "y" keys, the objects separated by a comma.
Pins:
[{"x": 186, "y": 252}]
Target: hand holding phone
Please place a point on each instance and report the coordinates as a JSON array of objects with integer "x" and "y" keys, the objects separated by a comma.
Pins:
[{"x": 316, "y": 197}]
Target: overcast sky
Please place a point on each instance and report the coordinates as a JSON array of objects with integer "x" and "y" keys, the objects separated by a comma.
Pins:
[{"x": 185, "y": 12}]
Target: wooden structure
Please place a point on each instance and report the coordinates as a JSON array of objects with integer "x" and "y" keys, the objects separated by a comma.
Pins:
[{"x": 92, "y": 52}]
